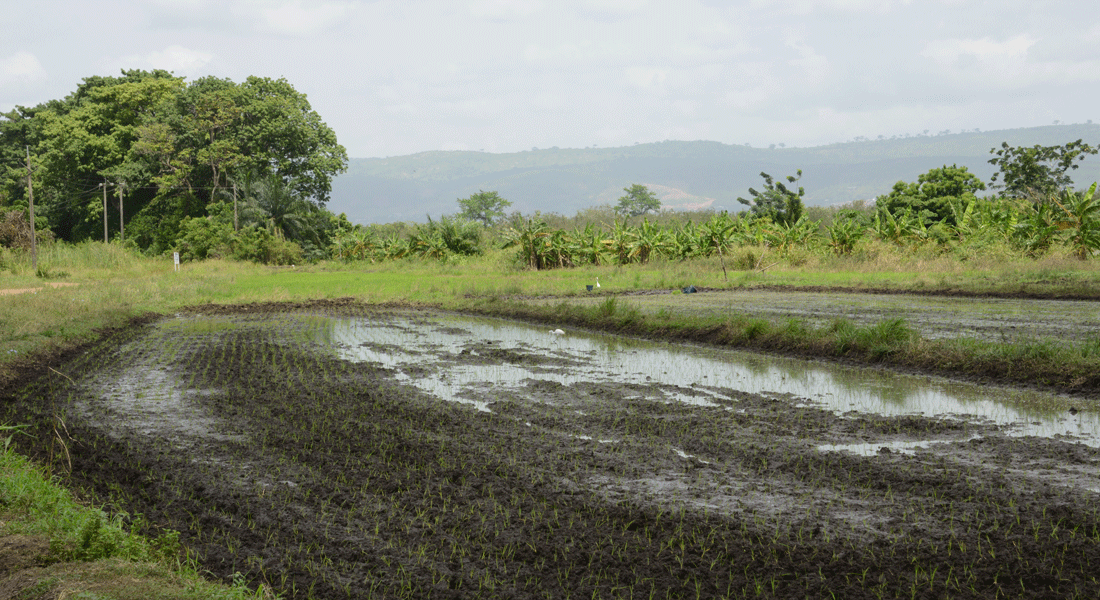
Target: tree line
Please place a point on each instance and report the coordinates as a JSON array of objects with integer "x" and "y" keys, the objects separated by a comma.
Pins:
[
  {"x": 145, "y": 156},
  {"x": 244, "y": 170},
  {"x": 1033, "y": 209}
]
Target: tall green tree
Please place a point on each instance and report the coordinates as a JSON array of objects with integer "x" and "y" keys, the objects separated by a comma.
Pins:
[
  {"x": 216, "y": 128},
  {"x": 637, "y": 201},
  {"x": 784, "y": 206},
  {"x": 175, "y": 147},
  {"x": 85, "y": 140},
  {"x": 1038, "y": 170},
  {"x": 933, "y": 193},
  {"x": 485, "y": 207}
]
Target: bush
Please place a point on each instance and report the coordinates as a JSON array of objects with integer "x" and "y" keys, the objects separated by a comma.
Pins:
[{"x": 258, "y": 244}]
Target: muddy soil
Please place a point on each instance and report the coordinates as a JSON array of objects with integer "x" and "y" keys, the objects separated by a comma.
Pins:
[{"x": 279, "y": 458}]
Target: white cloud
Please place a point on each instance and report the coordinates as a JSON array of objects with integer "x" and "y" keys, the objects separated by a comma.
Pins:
[
  {"x": 302, "y": 19},
  {"x": 984, "y": 49},
  {"x": 177, "y": 59},
  {"x": 814, "y": 66},
  {"x": 610, "y": 10},
  {"x": 504, "y": 10},
  {"x": 646, "y": 78},
  {"x": 21, "y": 67},
  {"x": 808, "y": 7}
]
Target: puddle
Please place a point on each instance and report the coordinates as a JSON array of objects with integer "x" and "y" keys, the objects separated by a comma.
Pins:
[
  {"x": 426, "y": 353},
  {"x": 151, "y": 401}
]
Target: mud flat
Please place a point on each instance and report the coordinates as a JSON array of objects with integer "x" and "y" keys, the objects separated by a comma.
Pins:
[{"x": 336, "y": 450}]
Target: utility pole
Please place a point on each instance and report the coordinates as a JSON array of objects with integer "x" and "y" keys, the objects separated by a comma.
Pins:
[
  {"x": 121, "y": 225},
  {"x": 104, "y": 185},
  {"x": 30, "y": 200},
  {"x": 236, "y": 227}
]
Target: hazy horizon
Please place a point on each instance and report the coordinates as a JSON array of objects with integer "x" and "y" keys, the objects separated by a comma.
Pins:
[{"x": 399, "y": 77}]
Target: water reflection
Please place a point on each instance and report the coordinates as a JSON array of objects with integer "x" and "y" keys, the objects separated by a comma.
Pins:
[{"x": 426, "y": 352}]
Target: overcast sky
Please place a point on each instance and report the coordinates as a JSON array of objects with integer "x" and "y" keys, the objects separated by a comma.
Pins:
[{"x": 396, "y": 77}]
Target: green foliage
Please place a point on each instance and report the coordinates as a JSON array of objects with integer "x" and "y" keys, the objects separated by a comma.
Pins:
[
  {"x": 173, "y": 149},
  {"x": 530, "y": 237},
  {"x": 846, "y": 230},
  {"x": 1081, "y": 220},
  {"x": 448, "y": 236},
  {"x": 933, "y": 193},
  {"x": 637, "y": 201},
  {"x": 204, "y": 238},
  {"x": 1038, "y": 170},
  {"x": 781, "y": 205},
  {"x": 485, "y": 207},
  {"x": 262, "y": 245}
]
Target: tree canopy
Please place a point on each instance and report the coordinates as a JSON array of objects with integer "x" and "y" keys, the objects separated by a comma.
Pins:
[
  {"x": 174, "y": 147},
  {"x": 483, "y": 206},
  {"x": 637, "y": 201},
  {"x": 1038, "y": 170},
  {"x": 933, "y": 193},
  {"x": 782, "y": 205}
]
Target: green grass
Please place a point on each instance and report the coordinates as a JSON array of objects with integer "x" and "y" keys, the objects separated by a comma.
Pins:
[{"x": 77, "y": 550}]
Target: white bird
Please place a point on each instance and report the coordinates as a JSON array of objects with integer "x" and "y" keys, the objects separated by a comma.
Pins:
[
  {"x": 557, "y": 332},
  {"x": 597, "y": 283}
]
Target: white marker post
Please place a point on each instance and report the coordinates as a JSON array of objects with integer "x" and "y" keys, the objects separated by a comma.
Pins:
[{"x": 176, "y": 260}]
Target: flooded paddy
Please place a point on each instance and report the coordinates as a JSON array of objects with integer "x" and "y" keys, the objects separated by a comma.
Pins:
[{"x": 337, "y": 450}]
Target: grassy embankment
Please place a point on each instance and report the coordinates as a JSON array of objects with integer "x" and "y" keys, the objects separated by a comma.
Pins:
[{"x": 113, "y": 287}]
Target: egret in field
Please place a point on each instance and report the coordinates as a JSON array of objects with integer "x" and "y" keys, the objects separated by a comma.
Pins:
[
  {"x": 597, "y": 283},
  {"x": 557, "y": 332}
]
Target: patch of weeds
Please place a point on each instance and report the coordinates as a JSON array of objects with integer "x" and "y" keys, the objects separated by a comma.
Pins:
[
  {"x": 47, "y": 272},
  {"x": 888, "y": 333},
  {"x": 755, "y": 328},
  {"x": 1090, "y": 349},
  {"x": 608, "y": 307},
  {"x": 796, "y": 329},
  {"x": 844, "y": 334},
  {"x": 746, "y": 260}
]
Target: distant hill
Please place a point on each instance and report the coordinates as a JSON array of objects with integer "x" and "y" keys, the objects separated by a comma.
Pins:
[{"x": 684, "y": 175}]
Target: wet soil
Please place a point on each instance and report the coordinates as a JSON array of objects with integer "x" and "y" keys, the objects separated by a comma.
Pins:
[{"x": 328, "y": 478}]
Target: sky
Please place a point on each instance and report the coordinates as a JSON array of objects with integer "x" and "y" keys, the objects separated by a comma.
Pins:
[{"x": 397, "y": 77}]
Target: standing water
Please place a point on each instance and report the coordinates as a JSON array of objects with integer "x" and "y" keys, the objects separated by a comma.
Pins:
[{"x": 433, "y": 354}]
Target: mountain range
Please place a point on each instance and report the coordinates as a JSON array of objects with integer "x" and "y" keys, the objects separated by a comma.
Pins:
[{"x": 683, "y": 175}]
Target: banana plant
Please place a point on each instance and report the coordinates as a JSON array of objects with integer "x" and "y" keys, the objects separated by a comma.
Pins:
[
  {"x": 685, "y": 242},
  {"x": 786, "y": 237},
  {"x": 1038, "y": 229},
  {"x": 1081, "y": 218},
  {"x": 530, "y": 238},
  {"x": 649, "y": 240},
  {"x": 845, "y": 232},
  {"x": 591, "y": 244}
]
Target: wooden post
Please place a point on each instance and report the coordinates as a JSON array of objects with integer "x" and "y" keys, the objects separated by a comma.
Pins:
[
  {"x": 236, "y": 227},
  {"x": 30, "y": 201},
  {"x": 121, "y": 224},
  {"x": 104, "y": 184}
]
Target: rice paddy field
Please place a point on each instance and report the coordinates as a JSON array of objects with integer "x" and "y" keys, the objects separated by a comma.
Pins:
[
  {"x": 384, "y": 433},
  {"x": 335, "y": 449}
]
